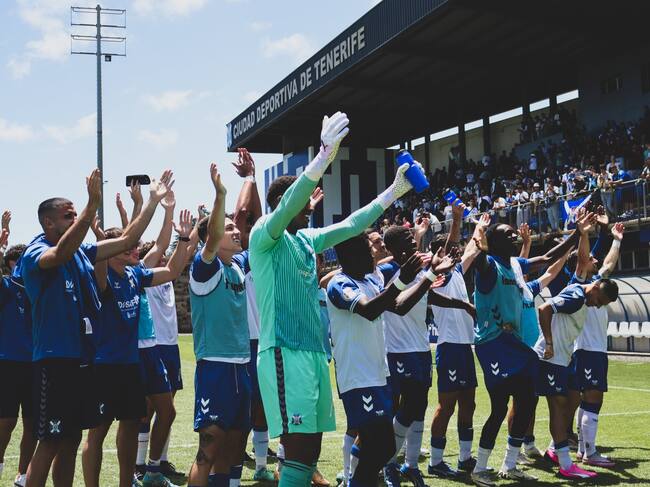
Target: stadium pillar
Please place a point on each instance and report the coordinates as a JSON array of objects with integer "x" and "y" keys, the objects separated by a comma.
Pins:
[
  {"x": 427, "y": 155},
  {"x": 462, "y": 146},
  {"x": 552, "y": 100},
  {"x": 487, "y": 143}
]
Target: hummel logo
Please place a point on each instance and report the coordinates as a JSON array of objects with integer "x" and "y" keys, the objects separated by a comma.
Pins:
[
  {"x": 205, "y": 405},
  {"x": 55, "y": 426},
  {"x": 101, "y": 408},
  {"x": 495, "y": 368},
  {"x": 214, "y": 417},
  {"x": 587, "y": 374},
  {"x": 551, "y": 379},
  {"x": 69, "y": 284},
  {"x": 400, "y": 368},
  {"x": 367, "y": 403},
  {"x": 452, "y": 375}
]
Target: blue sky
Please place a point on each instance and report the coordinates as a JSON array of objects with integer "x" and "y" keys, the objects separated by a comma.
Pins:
[{"x": 192, "y": 65}]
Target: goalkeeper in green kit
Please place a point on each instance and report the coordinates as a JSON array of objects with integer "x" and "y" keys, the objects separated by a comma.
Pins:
[{"x": 292, "y": 366}]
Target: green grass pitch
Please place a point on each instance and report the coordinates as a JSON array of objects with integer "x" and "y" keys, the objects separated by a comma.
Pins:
[{"x": 624, "y": 432}]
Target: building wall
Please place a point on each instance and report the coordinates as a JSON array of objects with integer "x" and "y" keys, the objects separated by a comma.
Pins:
[{"x": 624, "y": 105}]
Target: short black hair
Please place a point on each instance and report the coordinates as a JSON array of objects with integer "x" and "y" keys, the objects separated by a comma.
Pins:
[
  {"x": 277, "y": 188},
  {"x": 347, "y": 250},
  {"x": 48, "y": 206},
  {"x": 438, "y": 242},
  {"x": 203, "y": 228},
  {"x": 394, "y": 234},
  {"x": 610, "y": 288},
  {"x": 13, "y": 253}
]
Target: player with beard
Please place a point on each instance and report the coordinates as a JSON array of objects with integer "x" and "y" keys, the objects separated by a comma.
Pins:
[
  {"x": 509, "y": 366},
  {"x": 57, "y": 270}
]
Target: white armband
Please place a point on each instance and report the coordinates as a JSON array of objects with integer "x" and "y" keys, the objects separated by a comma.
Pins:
[
  {"x": 429, "y": 274},
  {"x": 399, "y": 284},
  {"x": 616, "y": 244}
]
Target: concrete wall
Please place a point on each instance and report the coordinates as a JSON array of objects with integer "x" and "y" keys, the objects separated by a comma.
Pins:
[{"x": 625, "y": 105}]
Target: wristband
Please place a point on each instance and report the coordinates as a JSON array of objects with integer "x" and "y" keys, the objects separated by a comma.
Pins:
[
  {"x": 184, "y": 239},
  {"x": 429, "y": 274},
  {"x": 399, "y": 284},
  {"x": 250, "y": 179},
  {"x": 616, "y": 244}
]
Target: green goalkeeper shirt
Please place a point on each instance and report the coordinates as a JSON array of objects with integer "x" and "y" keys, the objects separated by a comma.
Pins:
[{"x": 284, "y": 268}]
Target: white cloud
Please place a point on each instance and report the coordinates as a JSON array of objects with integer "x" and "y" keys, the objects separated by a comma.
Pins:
[
  {"x": 13, "y": 132},
  {"x": 251, "y": 96},
  {"x": 19, "y": 68},
  {"x": 170, "y": 8},
  {"x": 259, "y": 25},
  {"x": 84, "y": 127},
  {"x": 168, "y": 100},
  {"x": 296, "y": 46},
  {"x": 159, "y": 139}
]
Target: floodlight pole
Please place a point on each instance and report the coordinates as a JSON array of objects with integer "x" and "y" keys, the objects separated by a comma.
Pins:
[
  {"x": 100, "y": 138},
  {"x": 98, "y": 38}
]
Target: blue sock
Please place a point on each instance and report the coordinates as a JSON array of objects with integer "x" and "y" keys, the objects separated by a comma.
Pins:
[{"x": 528, "y": 439}]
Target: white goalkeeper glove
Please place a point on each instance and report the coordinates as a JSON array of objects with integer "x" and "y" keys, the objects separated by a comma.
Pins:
[{"x": 333, "y": 131}]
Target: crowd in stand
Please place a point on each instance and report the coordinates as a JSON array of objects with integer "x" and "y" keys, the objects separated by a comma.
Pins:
[{"x": 532, "y": 190}]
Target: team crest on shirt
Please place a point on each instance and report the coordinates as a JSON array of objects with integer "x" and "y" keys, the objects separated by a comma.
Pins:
[
  {"x": 349, "y": 294},
  {"x": 55, "y": 426},
  {"x": 296, "y": 419}
]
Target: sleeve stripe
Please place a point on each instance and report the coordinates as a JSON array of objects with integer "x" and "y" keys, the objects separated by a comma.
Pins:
[{"x": 203, "y": 288}]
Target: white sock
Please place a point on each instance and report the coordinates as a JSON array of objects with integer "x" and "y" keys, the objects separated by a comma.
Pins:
[
  {"x": 414, "y": 443},
  {"x": 465, "y": 450},
  {"x": 436, "y": 456},
  {"x": 564, "y": 458},
  {"x": 510, "y": 460},
  {"x": 163, "y": 455},
  {"x": 280, "y": 452},
  {"x": 143, "y": 446},
  {"x": 400, "y": 436},
  {"x": 21, "y": 479},
  {"x": 2, "y": 467},
  {"x": 589, "y": 429},
  {"x": 354, "y": 461},
  {"x": 261, "y": 445},
  {"x": 581, "y": 440},
  {"x": 551, "y": 445},
  {"x": 346, "y": 449},
  {"x": 482, "y": 457}
]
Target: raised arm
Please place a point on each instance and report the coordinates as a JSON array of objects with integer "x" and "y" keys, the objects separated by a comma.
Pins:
[
  {"x": 524, "y": 233},
  {"x": 178, "y": 260},
  {"x": 124, "y": 218},
  {"x": 136, "y": 196},
  {"x": 132, "y": 233},
  {"x": 357, "y": 222},
  {"x": 248, "y": 208},
  {"x": 216, "y": 220},
  {"x": 371, "y": 309},
  {"x": 454, "y": 233},
  {"x": 545, "y": 317},
  {"x": 538, "y": 262},
  {"x": 101, "y": 267},
  {"x": 584, "y": 225},
  {"x": 165, "y": 236},
  {"x": 553, "y": 270},
  {"x": 297, "y": 196},
  {"x": 472, "y": 250},
  {"x": 612, "y": 256},
  {"x": 4, "y": 234},
  {"x": 71, "y": 240}
]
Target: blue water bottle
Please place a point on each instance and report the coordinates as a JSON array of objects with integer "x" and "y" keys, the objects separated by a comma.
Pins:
[
  {"x": 414, "y": 174},
  {"x": 452, "y": 199}
]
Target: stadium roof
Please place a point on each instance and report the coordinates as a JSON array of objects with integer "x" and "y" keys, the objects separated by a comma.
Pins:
[{"x": 409, "y": 68}]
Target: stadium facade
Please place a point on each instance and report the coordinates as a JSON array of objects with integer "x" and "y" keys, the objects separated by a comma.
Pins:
[{"x": 408, "y": 70}]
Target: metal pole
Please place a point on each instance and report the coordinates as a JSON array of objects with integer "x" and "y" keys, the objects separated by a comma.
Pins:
[{"x": 100, "y": 147}]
